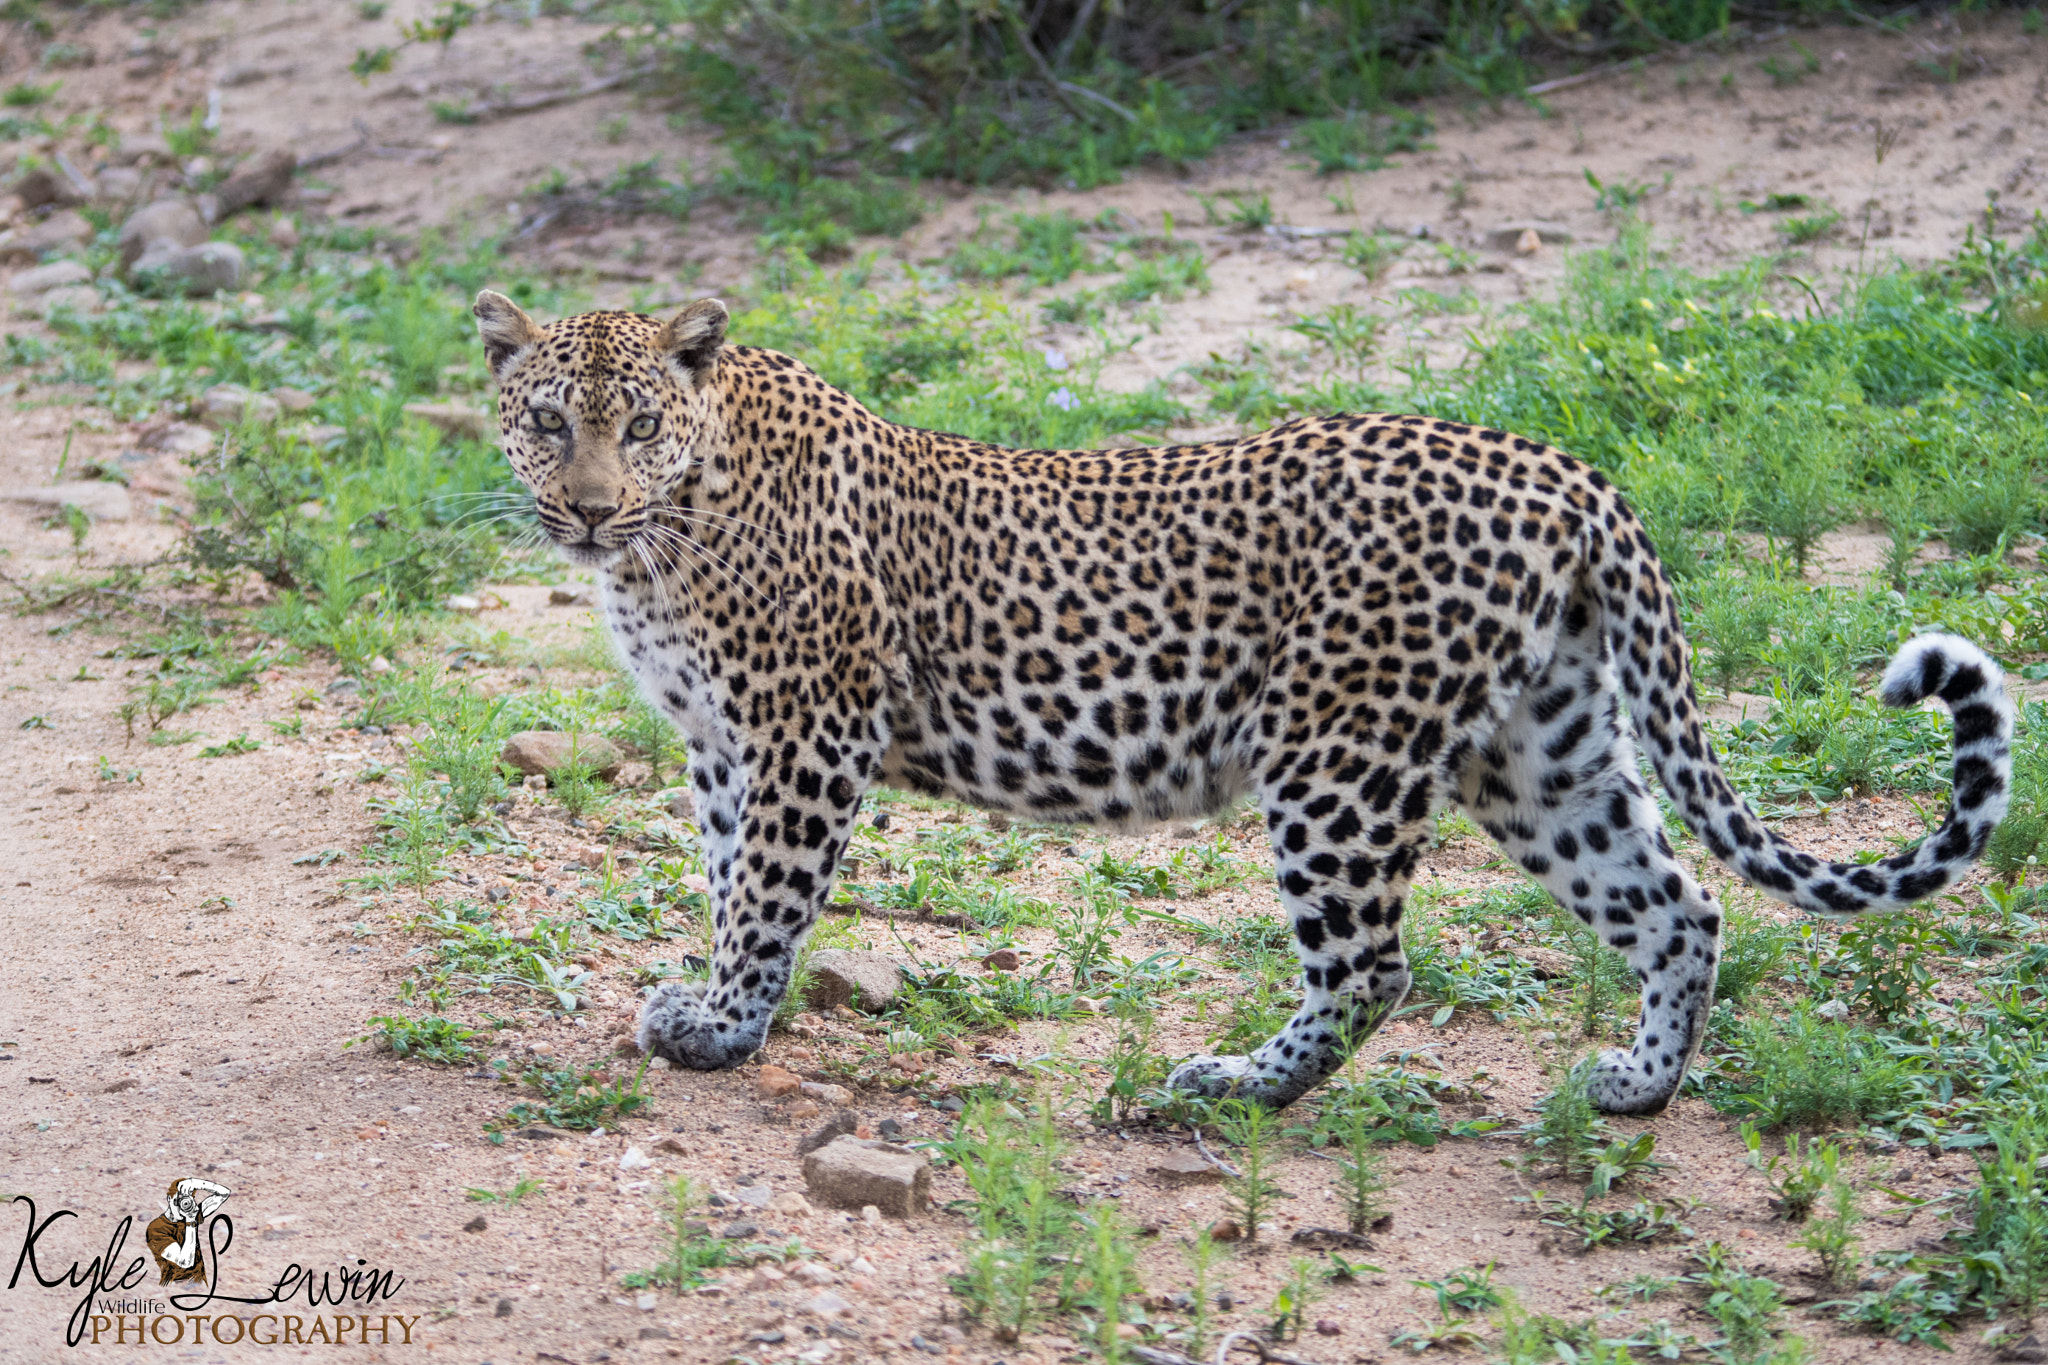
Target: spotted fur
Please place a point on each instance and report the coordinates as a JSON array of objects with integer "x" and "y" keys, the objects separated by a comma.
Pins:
[{"x": 1359, "y": 619}]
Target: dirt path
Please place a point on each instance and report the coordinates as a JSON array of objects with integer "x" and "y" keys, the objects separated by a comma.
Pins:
[{"x": 186, "y": 988}]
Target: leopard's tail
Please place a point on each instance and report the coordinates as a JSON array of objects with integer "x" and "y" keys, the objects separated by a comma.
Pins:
[{"x": 1972, "y": 686}]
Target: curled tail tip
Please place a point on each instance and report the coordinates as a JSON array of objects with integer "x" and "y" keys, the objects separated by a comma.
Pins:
[{"x": 1947, "y": 666}]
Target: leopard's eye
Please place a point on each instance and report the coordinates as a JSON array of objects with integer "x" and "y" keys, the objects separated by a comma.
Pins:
[
  {"x": 643, "y": 427},
  {"x": 547, "y": 421}
]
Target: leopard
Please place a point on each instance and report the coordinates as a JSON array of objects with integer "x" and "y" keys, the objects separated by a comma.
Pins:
[{"x": 1358, "y": 621}]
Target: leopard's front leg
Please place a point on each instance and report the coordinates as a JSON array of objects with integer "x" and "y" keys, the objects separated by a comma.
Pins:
[{"x": 773, "y": 836}]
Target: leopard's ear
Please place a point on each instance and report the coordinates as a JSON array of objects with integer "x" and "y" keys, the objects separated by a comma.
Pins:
[
  {"x": 506, "y": 329},
  {"x": 692, "y": 339}
]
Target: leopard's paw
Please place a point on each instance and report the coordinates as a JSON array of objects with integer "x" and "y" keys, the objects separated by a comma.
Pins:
[
  {"x": 676, "y": 1023},
  {"x": 1619, "y": 1086}
]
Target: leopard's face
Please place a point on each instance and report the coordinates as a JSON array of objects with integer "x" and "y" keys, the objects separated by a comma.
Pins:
[{"x": 602, "y": 415}]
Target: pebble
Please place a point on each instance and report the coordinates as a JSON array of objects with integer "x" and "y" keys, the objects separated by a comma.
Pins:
[
  {"x": 171, "y": 221},
  {"x": 1225, "y": 1230},
  {"x": 43, "y": 278},
  {"x": 1003, "y": 960},
  {"x": 775, "y": 1083},
  {"x": 228, "y": 405},
  {"x": 634, "y": 1160},
  {"x": 827, "y": 1304},
  {"x": 193, "y": 270}
]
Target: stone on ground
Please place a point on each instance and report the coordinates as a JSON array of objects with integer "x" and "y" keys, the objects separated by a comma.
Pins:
[
  {"x": 851, "y": 1172},
  {"x": 853, "y": 976},
  {"x": 544, "y": 752}
]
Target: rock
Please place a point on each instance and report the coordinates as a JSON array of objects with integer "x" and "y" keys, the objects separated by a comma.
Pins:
[
  {"x": 503, "y": 1310},
  {"x": 143, "y": 148},
  {"x": 774, "y": 1083},
  {"x": 292, "y": 400},
  {"x": 656, "y": 1334},
  {"x": 117, "y": 185},
  {"x": 840, "y": 1124},
  {"x": 476, "y": 1224},
  {"x": 162, "y": 220},
  {"x": 801, "y": 1110},
  {"x": 810, "y": 1272},
  {"x": 571, "y": 595},
  {"x": 230, "y": 1071},
  {"x": 543, "y": 752},
  {"x": 100, "y": 501},
  {"x": 646, "y": 1303},
  {"x": 284, "y": 234},
  {"x": 790, "y": 1204},
  {"x": 59, "y": 232},
  {"x": 260, "y": 180},
  {"x": 755, "y": 1196},
  {"x": 193, "y": 270},
  {"x": 43, "y": 278},
  {"x": 838, "y": 1096},
  {"x": 1327, "y": 1328},
  {"x": 766, "y": 1277},
  {"x": 1225, "y": 1230},
  {"x": 672, "y": 1147},
  {"x": 851, "y": 1172},
  {"x": 1528, "y": 244},
  {"x": 732, "y": 1232},
  {"x": 180, "y": 438},
  {"x": 634, "y": 1159},
  {"x": 464, "y": 603},
  {"x": 681, "y": 805},
  {"x": 1548, "y": 964},
  {"x": 455, "y": 419},
  {"x": 1002, "y": 960},
  {"x": 845, "y": 976},
  {"x": 827, "y": 1304},
  {"x": 76, "y": 298},
  {"x": 1508, "y": 236},
  {"x": 46, "y": 184},
  {"x": 2027, "y": 1348},
  {"x": 1186, "y": 1161},
  {"x": 230, "y": 405}
]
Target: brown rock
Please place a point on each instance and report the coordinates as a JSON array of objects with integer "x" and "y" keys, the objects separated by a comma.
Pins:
[
  {"x": 845, "y": 976},
  {"x": 543, "y": 751},
  {"x": 1002, "y": 960},
  {"x": 1225, "y": 1230},
  {"x": 839, "y": 1125},
  {"x": 672, "y": 1147},
  {"x": 164, "y": 220},
  {"x": 1186, "y": 1162},
  {"x": 59, "y": 232},
  {"x": 100, "y": 501},
  {"x": 42, "y": 185},
  {"x": 260, "y": 180},
  {"x": 774, "y": 1083},
  {"x": 851, "y": 1172}
]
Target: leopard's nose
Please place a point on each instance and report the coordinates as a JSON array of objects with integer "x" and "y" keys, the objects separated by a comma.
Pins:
[{"x": 596, "y": 512}]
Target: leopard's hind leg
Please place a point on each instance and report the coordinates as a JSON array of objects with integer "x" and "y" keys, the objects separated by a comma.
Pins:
[
  {"x": 1344, "y": 852},
  {"x": 1558, "y": 788}
]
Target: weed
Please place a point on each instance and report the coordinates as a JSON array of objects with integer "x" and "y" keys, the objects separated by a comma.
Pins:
[
  {"x": 1292, "y": 1300},
  {"x": 1372, "y": 254},
  {"x": 1251, "y": 1193},
  {"x": 1362, "y": 1182},
  {"x": 1025, "y": 1232},
  {"x": 1812, "y": 227},
  {"x": 521, "y": 1188},
  {"x": 1464, "y": 1291},
  {"x": 1747, "y": 1307},
  {"x": 1362, "y": 142},
  {"x": 433, "y": 1039},
  {"x": 1568, "y": 1127},
  {"x": 1885, "y": 959},
  {"x": 1753, "y": 950},
  {"x": 1805, "y": 1072},
  {"x": 1640, "y": 1222},
  {"x": 572, "y": 1098},
  {"x": 691, "y": 1250},
  {"x": 1201, "y": 1254},
  {"x": 1806, "y": 1175},
  {"x": 1831, "y": 1235}
]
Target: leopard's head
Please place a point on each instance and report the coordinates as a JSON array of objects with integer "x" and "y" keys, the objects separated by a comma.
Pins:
[{"x": 602, "y": 414}]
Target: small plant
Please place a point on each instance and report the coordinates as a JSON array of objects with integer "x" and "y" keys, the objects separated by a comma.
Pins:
[
  {"x": 1567, "y": 1128},
  {"x": 1888, "y": 960},
  {"x": 1361, "y": 1171},
  {"x": 292, "y": 727},
  {"x": 575, "y": 784},
  {"x": 1746, "y": 1306},
  {"x": 691, "y": 1250},
  {"x": 433, "y": 1039},
  {"x": 1372, "y": 254},
  {"x": 1640, "y": 1222},
  {"x": 521, "y": 1188},
  {"x": 1622, "y": 195},
  {"x": 1291, "y": 1301},
  {"x": 1250, "y": 1194},
  {"x": 227, "y": 748},
  {"x": 1201, "y": 1254},
  {"x": 579, "y": 1099},
  {"x": 1753, "y": 950},
  {"x": 1831, "y": 1235},
  {"x": 1811, "y": 227},
  {"x": 1806, "y": 1175}
]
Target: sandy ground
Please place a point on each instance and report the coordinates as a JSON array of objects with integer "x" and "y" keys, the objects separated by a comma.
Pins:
[{"x": 216, "y": 982}]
